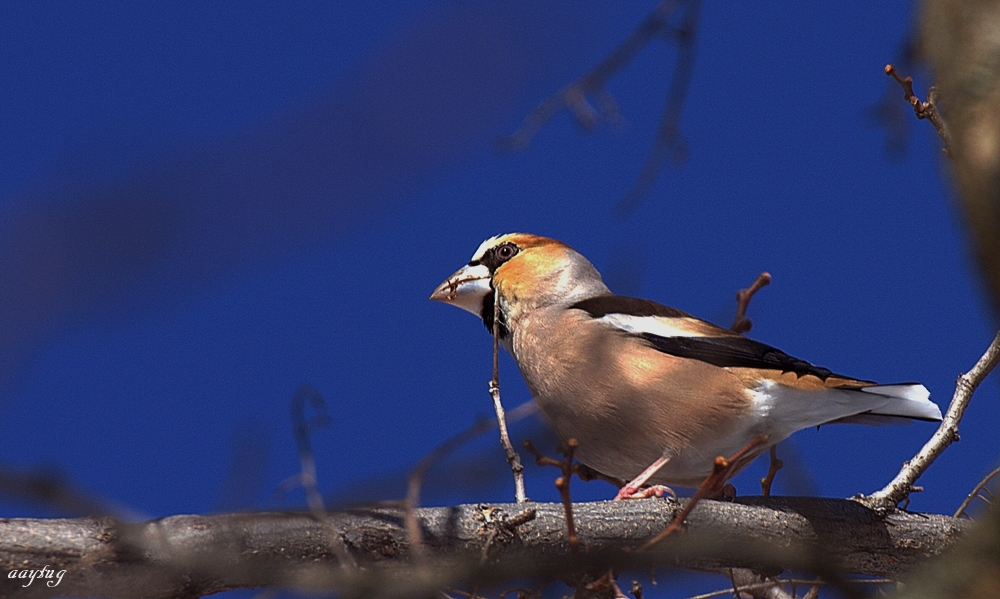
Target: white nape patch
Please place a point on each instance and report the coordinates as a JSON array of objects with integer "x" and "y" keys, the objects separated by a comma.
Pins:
[
  {"x": 911, "y": 399},
  {"x": 653, "y": 325}
]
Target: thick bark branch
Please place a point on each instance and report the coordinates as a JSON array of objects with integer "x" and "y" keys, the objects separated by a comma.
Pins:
[{"x": 196, "y": 555}]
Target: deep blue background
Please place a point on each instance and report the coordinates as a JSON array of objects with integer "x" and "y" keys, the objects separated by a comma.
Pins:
[{"x": 204, "y": 206}]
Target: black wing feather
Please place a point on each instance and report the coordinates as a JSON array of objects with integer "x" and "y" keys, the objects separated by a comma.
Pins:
[
  {"x": 738, "y": 352},
  {"x": 724, "y": 350}
]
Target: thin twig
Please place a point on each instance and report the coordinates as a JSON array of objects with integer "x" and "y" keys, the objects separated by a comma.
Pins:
[
  {"x": 744, "y": 577},
  {"x": 790, "y": 581},
  {"x": 302, "y": 429},
  {"x": 416, "y": 479},
  {"x": 721, "y": 470},
  {"x": 512, "y": 457},
  {"x": 742, "y": 324},
  {"x": 888, "y": 112},
  {"x": 562, "y": 483},
  {"x": 923, "y": 110},
  {"x": 54, "y": 490},
  {"x": 947, "y": 433},
  {"x": 812, "y": 593},
  {"x": 669, "y": 143},
  {"x": 772, "y": 469},
  {"x": 975, "y": 493},
  {"x": 500, "y": 525},
  {"x": 573, "y": 97}
]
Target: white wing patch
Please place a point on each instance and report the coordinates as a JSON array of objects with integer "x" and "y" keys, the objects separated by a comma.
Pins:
[{"x": 653, "y": 325}]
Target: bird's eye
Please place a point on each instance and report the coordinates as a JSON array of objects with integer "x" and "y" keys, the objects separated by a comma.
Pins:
[{"x": 506, "y": 251}]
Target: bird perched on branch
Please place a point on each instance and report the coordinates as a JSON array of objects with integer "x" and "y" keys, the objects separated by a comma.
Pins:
[{"x": 650, "y": 393}]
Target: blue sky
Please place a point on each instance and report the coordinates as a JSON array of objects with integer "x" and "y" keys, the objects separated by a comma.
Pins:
[{"x": 204, "y": 206}]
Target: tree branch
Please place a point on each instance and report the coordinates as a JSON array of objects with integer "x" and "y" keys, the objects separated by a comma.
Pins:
[
  {"x": 191, "y": 556},
  {"x": 901, "y": 486}
]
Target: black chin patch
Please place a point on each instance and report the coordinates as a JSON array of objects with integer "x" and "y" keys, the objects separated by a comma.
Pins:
[{"x": 488, "y": 310}]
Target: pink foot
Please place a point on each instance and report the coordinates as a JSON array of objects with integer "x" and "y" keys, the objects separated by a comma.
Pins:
[{"x": 630, "y": 492}]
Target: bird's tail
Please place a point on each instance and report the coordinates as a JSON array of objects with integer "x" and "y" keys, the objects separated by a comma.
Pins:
[{"x": 908, "y": 401}]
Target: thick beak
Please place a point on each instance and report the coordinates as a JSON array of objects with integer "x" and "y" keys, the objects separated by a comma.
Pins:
[{"x": 465, "y": 289}]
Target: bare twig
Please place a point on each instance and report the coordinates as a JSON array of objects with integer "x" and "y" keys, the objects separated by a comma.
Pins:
[
  {"x": 512, "y": 458},
  {"x": 975, "y": 493},
  {"x": 745, "y": 581},
  {"x": 562, "y": 483},
  {"x": 416, "y": 479},
  {"x": 53, "y": 490},
  {"x": 573, "y": 97},
  {"x": 790, "y": 582},
  {"x": 888, "y": 112},
  {"x": 742, "y": 324},
  {"x": 721, "y": 470},
  {"x": 776, "y": 464},
  {"x": 302, "y": 428},
  {"x": 678, "y": 521},
  {"x": 669, "y": 142},
  {"x": 901, "y": 486},
  {"x": 923, "y": 110}
]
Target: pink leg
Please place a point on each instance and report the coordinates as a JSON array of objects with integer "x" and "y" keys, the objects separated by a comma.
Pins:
[{"x": 632, "y": 489}]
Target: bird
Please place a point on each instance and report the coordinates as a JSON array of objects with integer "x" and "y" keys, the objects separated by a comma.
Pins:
[{"x": 651, "y": 394}]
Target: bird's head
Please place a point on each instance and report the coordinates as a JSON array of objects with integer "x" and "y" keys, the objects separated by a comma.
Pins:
[{"x": 526, "y": 272}]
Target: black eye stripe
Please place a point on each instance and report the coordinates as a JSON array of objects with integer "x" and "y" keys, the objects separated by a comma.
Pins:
[{"x": 497, "y": 255}]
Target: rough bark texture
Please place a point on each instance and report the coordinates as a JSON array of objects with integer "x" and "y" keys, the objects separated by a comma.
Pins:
[{"x": 197, "y": 555}]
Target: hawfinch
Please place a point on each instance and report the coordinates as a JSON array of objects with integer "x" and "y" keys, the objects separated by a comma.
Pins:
[{"x": 650, "y": 393}]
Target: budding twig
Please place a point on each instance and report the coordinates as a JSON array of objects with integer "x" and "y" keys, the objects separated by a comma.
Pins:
[
  {"x": 776, "y": 464},
  {"x": 742, "y": 324},
  {"x": 923, "y": 110}
]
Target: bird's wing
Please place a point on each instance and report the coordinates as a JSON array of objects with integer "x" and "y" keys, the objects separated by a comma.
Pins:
[{"x": 677, "y": 333}]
